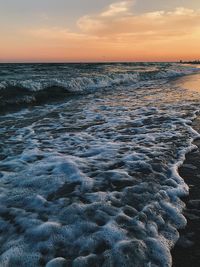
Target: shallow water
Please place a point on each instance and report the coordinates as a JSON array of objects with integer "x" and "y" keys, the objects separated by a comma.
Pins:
[
  {"x": 191, "y": 82},
  {"x": 91, "y": 180}
]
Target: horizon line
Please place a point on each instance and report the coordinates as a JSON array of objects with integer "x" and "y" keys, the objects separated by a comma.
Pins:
[{"x": 84, "y": 62}]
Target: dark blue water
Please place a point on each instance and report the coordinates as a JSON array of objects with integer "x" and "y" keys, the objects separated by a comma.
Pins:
[{"x": 88, "y": 163}]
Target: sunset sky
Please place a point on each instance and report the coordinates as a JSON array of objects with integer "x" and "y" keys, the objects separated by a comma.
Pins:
[{"x": 99, "y": 30}]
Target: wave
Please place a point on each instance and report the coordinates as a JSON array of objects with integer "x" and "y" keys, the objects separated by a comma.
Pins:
[
  {"x": 15, "y": 93},
  {"x": 15, "y": 97},
  {"x": 20, "y": 93}
]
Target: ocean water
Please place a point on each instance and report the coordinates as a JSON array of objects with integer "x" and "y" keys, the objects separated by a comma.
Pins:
[{"x": 88, "y": 163}]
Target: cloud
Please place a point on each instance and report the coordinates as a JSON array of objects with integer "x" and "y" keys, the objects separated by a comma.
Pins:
[
  {"x": 119, "y": 33},
  {"x": 119, "y": 23},
  {"x": 97, "y": 22},
  {"x": 118, "y": 8},
  {"x": 118, "y": 20}
]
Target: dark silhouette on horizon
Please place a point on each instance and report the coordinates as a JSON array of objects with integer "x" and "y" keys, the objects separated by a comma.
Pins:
[{"x": 190, "y": 62}]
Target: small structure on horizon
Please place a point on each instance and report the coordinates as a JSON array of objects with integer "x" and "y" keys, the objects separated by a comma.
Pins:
[{"x": 190, "y": 62}]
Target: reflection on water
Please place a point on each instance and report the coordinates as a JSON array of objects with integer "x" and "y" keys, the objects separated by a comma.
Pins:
[{"x": 191, "y": 82}]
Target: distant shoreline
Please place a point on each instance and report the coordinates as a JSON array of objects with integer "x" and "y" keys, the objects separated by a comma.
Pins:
[{"x": 190, "y": 62}]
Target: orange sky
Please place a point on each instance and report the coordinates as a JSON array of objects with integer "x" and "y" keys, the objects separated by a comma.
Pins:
[{"x": 116, "y": 32}]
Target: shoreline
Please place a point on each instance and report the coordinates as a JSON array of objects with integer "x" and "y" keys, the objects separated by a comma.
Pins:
[
  {"x": 187, "y": 249},
  {"x": 189, "y": 82}
]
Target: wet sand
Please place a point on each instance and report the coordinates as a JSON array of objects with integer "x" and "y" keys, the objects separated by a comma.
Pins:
[
  {"x": 191, "y": 82},
  {"x": 186, "y": 252}
]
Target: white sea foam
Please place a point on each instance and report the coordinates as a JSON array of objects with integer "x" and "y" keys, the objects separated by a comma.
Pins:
[
  {"x": 94, "y": 181},
  {"x": 87, "y": 83}
]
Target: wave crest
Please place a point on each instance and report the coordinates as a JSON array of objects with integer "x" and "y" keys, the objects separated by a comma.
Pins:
[{"x": 40, "y": 90}]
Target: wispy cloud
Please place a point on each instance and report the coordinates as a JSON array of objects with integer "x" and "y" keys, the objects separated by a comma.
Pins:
[
  {"x": 179, "y": 21},
  {"x": 118, "y": 8}
]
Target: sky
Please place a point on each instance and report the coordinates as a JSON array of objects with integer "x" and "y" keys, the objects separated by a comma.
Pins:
[{"x": 99, "y": 30}]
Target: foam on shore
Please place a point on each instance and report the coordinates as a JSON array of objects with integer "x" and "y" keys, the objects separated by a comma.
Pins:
[{"x": 95, "y": 182}]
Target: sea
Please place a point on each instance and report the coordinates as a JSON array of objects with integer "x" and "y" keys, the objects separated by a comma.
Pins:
[{"x": 89, "y": 157}]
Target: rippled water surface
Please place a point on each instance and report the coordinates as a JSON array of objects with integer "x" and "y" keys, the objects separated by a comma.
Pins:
[{"x": 91, "y": 178}]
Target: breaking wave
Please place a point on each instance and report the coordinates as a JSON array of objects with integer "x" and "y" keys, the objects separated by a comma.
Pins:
[{"x": 17, "y": 92}]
